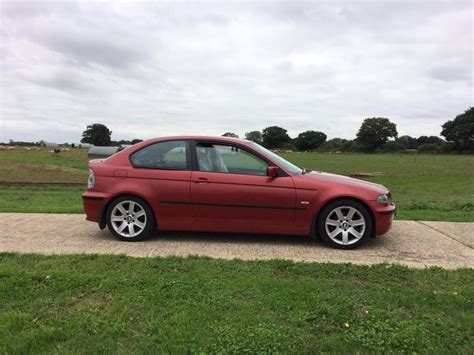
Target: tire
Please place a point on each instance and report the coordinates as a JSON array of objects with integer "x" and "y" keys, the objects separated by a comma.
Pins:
[
  {"x": 130, "y": 218},
  {"x": 344, "y": 224}
]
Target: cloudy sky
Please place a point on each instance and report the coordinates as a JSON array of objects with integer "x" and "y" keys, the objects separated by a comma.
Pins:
[{"x": 149, "y": 69}]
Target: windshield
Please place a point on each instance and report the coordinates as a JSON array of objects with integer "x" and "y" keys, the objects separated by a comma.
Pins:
[{"x": 293, "y": 169}]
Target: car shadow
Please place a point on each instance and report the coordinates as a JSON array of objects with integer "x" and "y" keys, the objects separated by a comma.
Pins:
[
  {"x": 254, "y": 238},
  {"x": 246, "y": 238},
  {"x": 225, "y": 238}
]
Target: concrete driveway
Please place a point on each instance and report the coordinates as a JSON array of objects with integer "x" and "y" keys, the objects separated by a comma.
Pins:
[{"x": 416, "y": 244}]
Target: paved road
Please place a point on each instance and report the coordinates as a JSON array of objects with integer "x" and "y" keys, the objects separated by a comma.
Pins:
[{"x": 416, "y": 244}]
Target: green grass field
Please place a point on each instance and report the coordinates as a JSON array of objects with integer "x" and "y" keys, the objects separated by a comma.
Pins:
[
  {"x": 114, "y": 304},
  {"x": 425, "y": 187},
  {"x": 43, "y": 166},
  {"x": 49, "y": 199}
]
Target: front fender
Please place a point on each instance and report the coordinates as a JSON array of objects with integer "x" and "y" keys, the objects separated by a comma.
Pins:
[{"x": 318, "y": 199}]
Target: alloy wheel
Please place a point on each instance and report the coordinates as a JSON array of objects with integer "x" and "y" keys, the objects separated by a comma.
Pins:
[
  {"x": 128, "y": 218},
  {"x": 345, "y": 225}
]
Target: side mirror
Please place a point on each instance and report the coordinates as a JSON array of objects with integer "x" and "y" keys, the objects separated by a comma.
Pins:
[{"x": 272, "y": 171}]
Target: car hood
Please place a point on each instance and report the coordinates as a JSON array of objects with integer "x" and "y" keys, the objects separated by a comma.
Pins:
[{"x": 344, "y": 180}]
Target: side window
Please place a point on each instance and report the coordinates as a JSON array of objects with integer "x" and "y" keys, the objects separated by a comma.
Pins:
[
  {"x": 229, "y": 159},
  {"x": 163, "y": 155}
]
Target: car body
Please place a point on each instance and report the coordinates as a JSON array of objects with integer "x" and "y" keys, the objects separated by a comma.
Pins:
[{"x": 222, "y": 184}]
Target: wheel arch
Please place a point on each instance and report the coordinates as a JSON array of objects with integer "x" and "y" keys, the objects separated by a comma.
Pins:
[
  {"x": 316, "y": 221},
  {"x": 103, "y": 212}
]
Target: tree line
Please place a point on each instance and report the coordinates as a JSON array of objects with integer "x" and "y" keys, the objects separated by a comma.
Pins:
[{"x": 376, "y": 134}]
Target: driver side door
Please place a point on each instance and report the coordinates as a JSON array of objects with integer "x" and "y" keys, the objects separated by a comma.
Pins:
[{"x": 231, "y": 192}]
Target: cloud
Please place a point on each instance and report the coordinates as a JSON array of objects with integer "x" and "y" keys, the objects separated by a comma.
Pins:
[
  {"x": 28, "y": 9},
  {"x": 451, "y": 72},
  {"x": 147, "y": 69},
  {"x": 86, "y": 47}
]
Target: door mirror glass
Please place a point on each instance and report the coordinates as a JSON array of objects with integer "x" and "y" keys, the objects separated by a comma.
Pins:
[{"x": 272, "y": 171}]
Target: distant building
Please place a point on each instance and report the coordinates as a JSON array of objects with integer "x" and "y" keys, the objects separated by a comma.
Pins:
[
  {"x": 125, "y": 146},
  {"x": 48, "y": 145},
  {"x": 96, "y": 152}
]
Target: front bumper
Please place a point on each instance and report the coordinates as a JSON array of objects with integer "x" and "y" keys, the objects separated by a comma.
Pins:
[
  {"x": 389, "y": 212},
  {"x": 384, "y": 215}
]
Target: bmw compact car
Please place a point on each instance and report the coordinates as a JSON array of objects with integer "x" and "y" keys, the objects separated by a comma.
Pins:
[{"x": 223, "y": 184}]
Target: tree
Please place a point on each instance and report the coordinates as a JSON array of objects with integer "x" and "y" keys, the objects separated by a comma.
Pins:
[
  {"x": 254, "y": 136},
  {"x": 97, "y": 134},
  {"x": 429, "y": 140},
  {"x": 310, "y": 140},
  {"x": 340, "y": 144},
  {"x": 407, "y": 142},
  {"x": 126, "y": 142},
  {"x": 335, "y": 144},
  {"x": 230, "y": 134},
  {"x": 275, "y": 137},
  {"x": 375, "y": 132},
  {"x": 435, "y": 148},
  {"x": 460, "y": 131},
  {"x": 391, "y": 146}
]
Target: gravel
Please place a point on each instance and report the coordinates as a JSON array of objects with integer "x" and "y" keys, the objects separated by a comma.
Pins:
[{"x": 415, "y": 244}]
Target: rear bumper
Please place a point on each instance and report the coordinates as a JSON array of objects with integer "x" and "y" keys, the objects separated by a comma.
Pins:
[{"x": 93, "y": 203}]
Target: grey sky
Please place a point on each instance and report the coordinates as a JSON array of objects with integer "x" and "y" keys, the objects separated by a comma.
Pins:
[{"x": 149, "y": 69}]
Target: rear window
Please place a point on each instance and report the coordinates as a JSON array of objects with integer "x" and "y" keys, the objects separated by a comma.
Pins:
[{"x": 163, "y": 155}]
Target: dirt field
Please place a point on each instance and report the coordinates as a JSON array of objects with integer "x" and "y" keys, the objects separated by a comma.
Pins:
[{"x": 417, "y": 244}]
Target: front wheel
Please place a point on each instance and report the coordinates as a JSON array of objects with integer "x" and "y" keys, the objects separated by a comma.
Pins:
[
  {"x": 130, "y": 218},
  {"x": 344, "y": 224}
]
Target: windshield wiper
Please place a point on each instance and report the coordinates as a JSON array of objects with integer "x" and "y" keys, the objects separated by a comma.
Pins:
[{"x": 305, "y": 171}]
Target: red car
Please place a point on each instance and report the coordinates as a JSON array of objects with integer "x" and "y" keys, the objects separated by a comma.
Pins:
[{"x": 222, "y": 184}]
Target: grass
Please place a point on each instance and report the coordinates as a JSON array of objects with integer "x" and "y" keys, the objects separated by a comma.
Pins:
[
  {"x": 425, "y": 187},
  {"x": 435, "y": 198},
  {"x": 43, "y": 166},
  {"x": 407, "y": 165},
  {"x": 75, "y": 158},
  {"x": 62, "y": 304},
  {"x": 47, "y": 199}
]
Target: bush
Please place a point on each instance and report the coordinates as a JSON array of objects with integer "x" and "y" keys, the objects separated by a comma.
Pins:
[
  {"x": 337, "y": 144},
  {"x": 288, "y": 146},
  {"x": 430, "y": 148},
  {"x": 423, "y": 140},
  {"x": 408, "y": 142},
  {"x": 391, "y": 146}
]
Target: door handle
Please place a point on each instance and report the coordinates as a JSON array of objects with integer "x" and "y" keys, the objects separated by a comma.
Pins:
[{"x": 201, "y": 180}]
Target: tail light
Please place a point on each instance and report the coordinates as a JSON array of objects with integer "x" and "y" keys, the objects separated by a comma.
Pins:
[{"x": 90, "y": 180}]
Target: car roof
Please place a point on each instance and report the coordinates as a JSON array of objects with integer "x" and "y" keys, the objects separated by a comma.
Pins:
[{"x": 197, "y": 137}]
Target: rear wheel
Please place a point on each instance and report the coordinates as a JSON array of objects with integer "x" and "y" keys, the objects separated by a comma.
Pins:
[
  {"x": 130, "y": 218},
  {"x": 344, "y": 224}
]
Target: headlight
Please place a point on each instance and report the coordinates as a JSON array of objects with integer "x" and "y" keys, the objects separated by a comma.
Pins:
[
  {"x": 385, "y": 198},
  {"x": 90, "y": 180}
]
